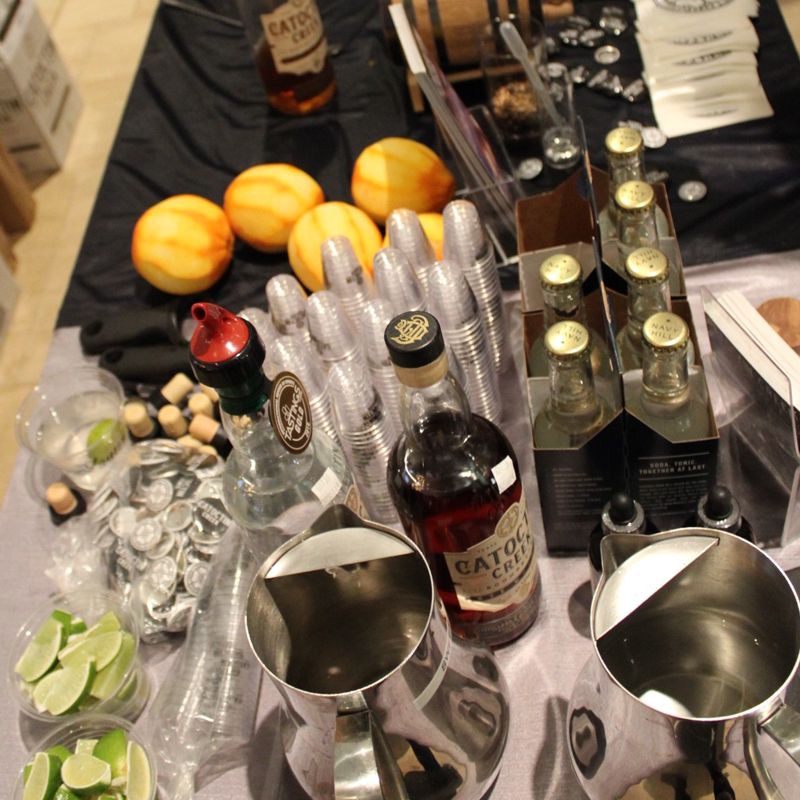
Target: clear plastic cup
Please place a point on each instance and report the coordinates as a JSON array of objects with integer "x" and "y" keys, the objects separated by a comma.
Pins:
[
  {"x": 73, "y": 419},
  {"x": 262, "y": 322},
  {"x": 90, "y": 604},
  {"x": 396, "y": 281},
  {"x": 377, "y": 315},
  {"x": 331, "y": 332},
  {"x": 345, "y": 277},
  {"x": 92, "y": 726},
  {"x": 286, "y": 300},
  {"x": 405, "y": 232}
]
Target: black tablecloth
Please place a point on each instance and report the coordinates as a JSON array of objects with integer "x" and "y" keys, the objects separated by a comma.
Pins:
[{"x": 196, "y": 117}]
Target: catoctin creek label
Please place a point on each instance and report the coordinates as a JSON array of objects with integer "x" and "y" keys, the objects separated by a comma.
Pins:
[
  {"x": 498, "y": 571},
  {"x": 296, "y": 38}
]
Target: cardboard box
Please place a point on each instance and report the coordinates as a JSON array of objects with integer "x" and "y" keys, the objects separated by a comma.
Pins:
[
  {"x": 17, "y": 206},
  {"x": 39, "y": 103},
  {"x": 8, "y": 297}
]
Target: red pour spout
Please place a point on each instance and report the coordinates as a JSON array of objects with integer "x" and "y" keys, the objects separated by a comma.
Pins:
[{"x": 220, "y": 334}]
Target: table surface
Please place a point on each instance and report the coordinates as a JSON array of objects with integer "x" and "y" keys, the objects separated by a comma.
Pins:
[{"x": 176, "y": 138}]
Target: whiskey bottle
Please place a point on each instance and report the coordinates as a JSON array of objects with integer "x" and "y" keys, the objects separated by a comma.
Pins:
[
  {"x": 282, "y": 471},
  {"x": 647, "y": 273},
  {"x": 561, "y": 279},
  {"x": 625, "y": 159},
  {"x": 720, "y": 511},
  {"x": 291, "y": 53},
  {"x": 668, "y": 399},
  {"x": 636, "y": 218},
  {"x": 573, "y": 412},
  {"x": 455, "y": 481}
]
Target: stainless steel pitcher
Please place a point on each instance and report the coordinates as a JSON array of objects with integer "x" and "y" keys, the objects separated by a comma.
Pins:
[
  {"x": 378, "y": 699},
  {"x": 696, "y": 636}
]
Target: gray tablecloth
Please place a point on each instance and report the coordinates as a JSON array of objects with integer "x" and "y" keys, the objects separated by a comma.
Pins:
[{"x": 540, "y": 668}]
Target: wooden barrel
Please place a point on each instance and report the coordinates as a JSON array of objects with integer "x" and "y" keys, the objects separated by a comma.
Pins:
[{"x": 450, "y": 29}]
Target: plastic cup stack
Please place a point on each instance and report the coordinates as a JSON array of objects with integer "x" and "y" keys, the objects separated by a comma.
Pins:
[
  {"x": 377, "y": 315},
  {"x": 466, "y": 245},
  {"x": 405, "y": 233},
  {"x": 396, "y": 281},
  {"x": 261, "y": 321},
  {"x": 455, "y": 307},
  {"x": 367, "y": 435},
  {"x": 345, "y": 277},
  {"x": 290, "y": 354},
  {"x": 287, "y": 300},
  {"x": 331, "y": 333}
]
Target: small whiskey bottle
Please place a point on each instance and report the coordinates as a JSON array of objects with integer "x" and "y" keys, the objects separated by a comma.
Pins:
[
  {"x": 647, "y": 272},
  {"x": 282, "y": 471},
  {"x": 455, "y": 481},
  {"x": 636, "y": 219},
  {"x": 625, "y": 159},
  {"x": 291, "y": 53},
  {"x": 621, "y": 514},
  {"x": 573, "y": 412},
  {"x": 561, "y": 279},
  {"x": 720, "y": 511},
  {"x": 668, "y": 399}
]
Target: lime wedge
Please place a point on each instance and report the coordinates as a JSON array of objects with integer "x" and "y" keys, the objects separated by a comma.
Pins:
[
  {"x": 65, "y": 618},
  {"x": 77, "y": 626},
  {"x": 107, "y": 623},
  {"x": 43, "y": 688},
  {"x": 85, "y": 746},
  {"x": 139, "y": 778},
  {"x": 65, "y": 794},
  {"x": 109, "y": 679},
  {"x": 103, "y": 440},
  {"x": 72, "y": 687},
  {"x": 42, "y": 652},
  {"x": 60, "y": 752},
  {"x": 43, "y": 779},
  {"x": 85, "y": 774},
  {"x": 113, "y": 749},
  {"x": 102, "y": 648}
]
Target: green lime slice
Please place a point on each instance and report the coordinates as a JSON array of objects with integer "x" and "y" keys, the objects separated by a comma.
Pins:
[
  {"x": 106, "y": 624},
  {"x": 85, "y": 774},
  {"x": 102, "y": 648},
  {"x": 103, "y": 440},
  {"x": 77, "y": 626},
  {"x": 113, "y": 749},
  {"x": 65, "y": 618},
  {"x": 109, "y": 679},
  {"x": 85, "y": 746},
  {"x": 43, "y": 688},
  {"x": 72, "y": 687},
  {"x": 139, "y": 777},
  {"x": 60, "y": 752},
  {"x": 42, "y": 652},
  {"x": 43, "y": 779},
  {"x": 65, "y": 794}
]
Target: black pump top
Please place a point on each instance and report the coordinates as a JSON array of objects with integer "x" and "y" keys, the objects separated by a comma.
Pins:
[
  {"x": 622, "y": 509},
  {"x": 719, "y": 503}
]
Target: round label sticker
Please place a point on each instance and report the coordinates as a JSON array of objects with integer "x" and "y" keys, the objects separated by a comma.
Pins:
[{"x": 290, "y": 413}]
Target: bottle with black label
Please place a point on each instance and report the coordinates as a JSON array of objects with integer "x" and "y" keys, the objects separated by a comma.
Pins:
[
  {"x": 574, "y": 411},
  {"x": 291, "y": 53},
  {"x": 282, "y": 472},
  {"x": 719, "y": 510},
  {"x": 621, "y": 514},
  {"x": 669, "y": 399},
  {"x": 455, "y": 481}
]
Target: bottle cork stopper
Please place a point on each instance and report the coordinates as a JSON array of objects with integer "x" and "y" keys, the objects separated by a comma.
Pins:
[
  {"x": 137, "y": 419},
  {"x": 190, "y": 442},
  {"x": 210, "y": 393},
  {"x": 208, "y": 450},
  {"x": 203, "y": 428},
  {"x": 172, "y": 421},
  {"x": 177, "y": 387},
  {"x": 61, "y": 498},
  {"x": 201, "y": 404}
]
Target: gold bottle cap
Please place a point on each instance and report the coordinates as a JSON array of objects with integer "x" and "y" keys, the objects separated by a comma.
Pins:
[
  {"x": 176, "y": 389},
  {"x": 566, "y": 339},
  {"x": 624, "y": 142},
  {"x": 636, "y": 196},
  {"x": 647, "y": 265},
  {"x": 665, "y": 331},
  {"x": 172, "y": 421},
  {"x": 60, "y": 498},
  {"x": 561, "y": 269}
]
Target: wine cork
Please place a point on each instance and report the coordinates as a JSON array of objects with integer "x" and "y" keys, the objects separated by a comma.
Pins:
[
  {"x": 211, "y": 432},
  {"x": 190, "y": 442},
  {"x": 201, "y": 404},
  {"x": 61, "y": 498},
  {"x": 208, "y": 450},
  {"x": 176, "y": 388},
  {"x": 172, "y": 421},
  {"x": 137, "y": 419},
  {"x": 210, "y": 393}
]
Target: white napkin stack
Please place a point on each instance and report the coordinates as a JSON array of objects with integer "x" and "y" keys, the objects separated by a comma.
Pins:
[{"x": 700, "y": 63}]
